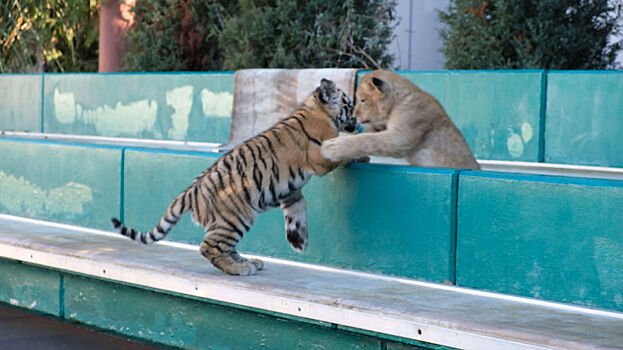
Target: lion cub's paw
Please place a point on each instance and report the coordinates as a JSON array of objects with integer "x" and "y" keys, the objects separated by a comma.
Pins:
[{"x": 333, "y": 149}]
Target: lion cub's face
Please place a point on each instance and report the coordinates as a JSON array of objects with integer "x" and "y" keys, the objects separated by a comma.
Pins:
[{"x": 372, "y": 106}]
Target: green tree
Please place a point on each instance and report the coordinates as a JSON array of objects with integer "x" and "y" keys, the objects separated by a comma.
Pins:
[
  {"x": 53, "y": 35},
  {"x": 308, "y": 33},
  {"x": 544, "y": 34}
]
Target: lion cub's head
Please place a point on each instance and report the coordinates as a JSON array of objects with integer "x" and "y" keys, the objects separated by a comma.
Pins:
[{"x": 374, "y": 100}]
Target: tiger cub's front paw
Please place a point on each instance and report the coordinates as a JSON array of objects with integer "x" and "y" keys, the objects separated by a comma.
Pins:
[{"x": 296, "y": 234}]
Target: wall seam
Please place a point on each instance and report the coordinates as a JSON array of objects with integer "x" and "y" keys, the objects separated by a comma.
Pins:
[
  {"x": 61, "y": 295},
  {"x": 122, "y": 185},
  {"x": 41, "y": 113},
  {"x": 542, "y": 114},
  {"x": 454, "y": 198}
]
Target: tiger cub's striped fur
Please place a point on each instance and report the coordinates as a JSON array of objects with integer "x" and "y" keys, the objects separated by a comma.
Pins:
[{"x": 264, "y": 172}]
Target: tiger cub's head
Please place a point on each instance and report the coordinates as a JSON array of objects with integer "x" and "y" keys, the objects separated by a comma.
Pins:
[{"x": 337, "y": 104}]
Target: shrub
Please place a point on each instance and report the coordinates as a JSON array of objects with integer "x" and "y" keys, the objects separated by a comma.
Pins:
[
  {"x": 172, "y": 35},
  {"x": 544, "y": 34},
  {"x": 311, "y": 33},
  {"x": 226, "y": 34}
]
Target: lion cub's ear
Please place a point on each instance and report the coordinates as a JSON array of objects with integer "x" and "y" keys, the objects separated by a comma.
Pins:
[
  {"x": 327, "y": 91},
  {"x": 379, "y": 84}
]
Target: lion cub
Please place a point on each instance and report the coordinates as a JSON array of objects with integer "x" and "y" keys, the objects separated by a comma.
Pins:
[{"x": 402, "y": 121}]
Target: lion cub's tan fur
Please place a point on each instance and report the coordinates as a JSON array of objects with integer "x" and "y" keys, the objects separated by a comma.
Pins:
[{"x": 402, "y": 121}]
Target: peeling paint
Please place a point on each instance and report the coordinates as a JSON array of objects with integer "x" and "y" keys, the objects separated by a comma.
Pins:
[
  {"x": 132, "y": 118},
  {"x": 217, "y": 104},
  {"x": 526, "y": 132},
  {"x": 122, "y": 119},
  {"x": 608, "y": 263},
  {"x": 13, "y": 301},
  {"x": 535, "y": 292},
  {"x": 64, "y": 107},
  {"x": 20, "y": 196},
  {"x": 514, "y": 145},
  {"x": 181, "y": 99}
]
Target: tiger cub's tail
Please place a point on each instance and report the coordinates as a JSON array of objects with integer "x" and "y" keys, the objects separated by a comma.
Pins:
[{"x": 174, "y": 212}]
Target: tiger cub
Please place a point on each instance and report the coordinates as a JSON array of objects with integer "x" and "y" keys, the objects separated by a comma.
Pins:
[{"x": 264, "y": 172}]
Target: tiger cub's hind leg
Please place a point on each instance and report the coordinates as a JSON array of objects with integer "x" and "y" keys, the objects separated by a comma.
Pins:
[
  {"x": 218, "y": 247},
  {"x": 295, "y": 215}
]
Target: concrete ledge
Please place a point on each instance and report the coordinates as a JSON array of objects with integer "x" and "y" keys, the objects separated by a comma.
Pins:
[
  {"x": 116, "y": 141},
  {"x": 432, "y": 313},
  {"x": 534, "y": 168}
]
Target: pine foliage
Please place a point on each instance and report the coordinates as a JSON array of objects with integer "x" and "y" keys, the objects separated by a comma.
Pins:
[
  {"x": 309, "y": 33},
  {"x": 234, "y": 34},
  {"x": 539, "y": 34},
  {"x": 174, "y": 35}
]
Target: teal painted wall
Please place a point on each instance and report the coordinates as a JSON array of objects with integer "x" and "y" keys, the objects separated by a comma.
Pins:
[
  {"x": 29, "y": 287},
  {"x": 195, "y": 324},
  {"x": 584, "y": 120},
  {"x": 559, "y": 117},
  {"x": 391, "y": 219},
  {"x": 405, "y": 229},
  {"x": 498, "y": 112},
  {"x": 20, "y": 102},
  {"x": 401, "y": 232},
  {"x": 152, "y": 180},
  {"x": 59, "y": 182},
  {"x": 189, "y": 323},
  {"x": 545, "y": 237},
  {"x": 183, "y": 107}
]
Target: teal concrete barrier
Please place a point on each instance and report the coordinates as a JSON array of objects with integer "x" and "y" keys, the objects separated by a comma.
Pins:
[
  {"x": 175, "y": 320},
  {"x": 557, "y": 117},
  {"x": 30, "y": 287},
  {"x": 550, "y": 238},
  {"x": 391, "y": 219},
  {"x": 65, "y": 183},
  {"x": 195, "y": 324},
  {"x": 169, "y": 106},
  {"x": 498, "y": 112},
  {"x": 544, "y": 237},
  {"x": 584, "y": 118},
  {"x": 20, "y": 102}
]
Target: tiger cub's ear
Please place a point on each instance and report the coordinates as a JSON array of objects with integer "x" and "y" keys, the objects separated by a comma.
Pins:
[{"x": 327, "y": 91}]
